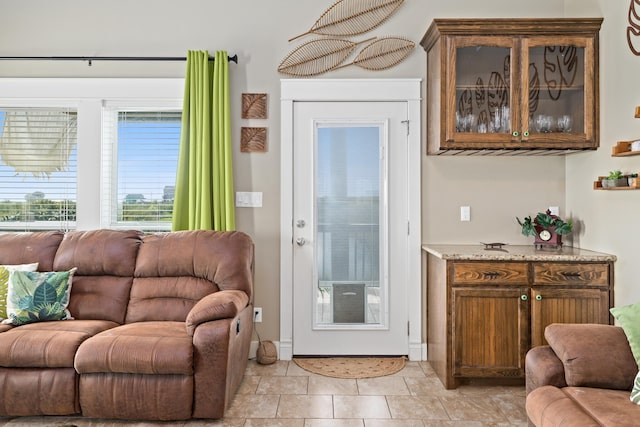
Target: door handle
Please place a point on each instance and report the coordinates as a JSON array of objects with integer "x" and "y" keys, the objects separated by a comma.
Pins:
[{"x": 300, "y": 241}]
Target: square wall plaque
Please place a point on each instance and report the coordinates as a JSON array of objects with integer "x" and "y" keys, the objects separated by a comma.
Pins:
[
  {"x": 254, "y": 105},
  {"x": 253, "y": 140}
]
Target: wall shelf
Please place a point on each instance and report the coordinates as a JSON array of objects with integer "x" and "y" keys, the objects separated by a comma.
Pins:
[
  {"x": 597, "y": 185},
  {"x": 623, "y": 149}
]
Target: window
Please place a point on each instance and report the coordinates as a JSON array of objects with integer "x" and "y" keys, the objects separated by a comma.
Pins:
[
  {"x": 115, "y": 143},
  {"x": 141, "y": 147},
  {"x": 38, "y": 168}
]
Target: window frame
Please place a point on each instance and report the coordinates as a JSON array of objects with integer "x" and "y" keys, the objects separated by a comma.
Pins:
[{"x": 88, "y": 96}]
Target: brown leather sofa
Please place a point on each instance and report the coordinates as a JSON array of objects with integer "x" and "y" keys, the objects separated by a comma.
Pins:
[
  {"x": 582, "y": 378},
  {"x": 161, "y": 331}
]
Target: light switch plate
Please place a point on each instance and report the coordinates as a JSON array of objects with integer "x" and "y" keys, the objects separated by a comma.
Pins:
[{"x": 246, "y": 199}]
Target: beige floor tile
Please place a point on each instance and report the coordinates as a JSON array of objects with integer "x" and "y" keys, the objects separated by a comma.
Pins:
[
  {"x": 293, "y": 370},
  {"x": 270, "y": 422},
  {"x": 412, "y": 407},
  {"x": 473, "y": 408},
  {"x": 333, "y": 423},
  {"x": 441, "y": 423},
  {"x": 410, "y": 370},
  {"x": 249, "y": 385},
  {"x": 393, "y": 423},
  {"x": 276, "y": 369},
  {"x": 383, "y": 386},
  {"x": 227, "y": 422},
  {"x": 512, "y": 406},
  {"x": 283, "y": 385},
  {"x": 326, "y": 385},
  {"x": 254, "y": 406},
  {"x": 428, "y": 386},
  {"x": 296, "y": 406},
  {"x": 360, "y": 407}
]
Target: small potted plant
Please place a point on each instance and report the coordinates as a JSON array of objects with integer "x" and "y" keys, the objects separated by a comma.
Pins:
[
  {"x": 546, "y": 228},
  {"x": 615, "y": 179},
  {"x": 632, "y": 178}
]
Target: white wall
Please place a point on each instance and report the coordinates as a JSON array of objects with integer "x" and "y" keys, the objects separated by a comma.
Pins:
[
  {"x": 497, "y": 189},
  {"x": 609, "y": 217}
]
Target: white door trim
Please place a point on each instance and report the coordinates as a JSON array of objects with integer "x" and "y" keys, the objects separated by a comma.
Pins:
[{"x": 406, "y": 90}]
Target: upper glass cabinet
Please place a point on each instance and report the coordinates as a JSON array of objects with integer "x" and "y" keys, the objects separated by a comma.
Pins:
[{"x": 517, "y": 84}]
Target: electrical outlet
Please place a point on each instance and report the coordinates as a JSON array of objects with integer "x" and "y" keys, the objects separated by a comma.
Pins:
[
  {"x": 257, "y": 314},
  {"x": 465, "y": 213}
]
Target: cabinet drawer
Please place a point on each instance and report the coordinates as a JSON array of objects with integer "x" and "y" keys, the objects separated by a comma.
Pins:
[
  {"x": 482, "y": 273},
  {"x": 571, "y": 274}
]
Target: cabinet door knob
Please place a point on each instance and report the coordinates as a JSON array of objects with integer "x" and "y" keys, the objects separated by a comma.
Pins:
[
  {"x": 525, "y": 133},
  {"x": 524, "y": 297},
  {"x": 538, "y": 297},
  {"x": 515, "y": 133}
]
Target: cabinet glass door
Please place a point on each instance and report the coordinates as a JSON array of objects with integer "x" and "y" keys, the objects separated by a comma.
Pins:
[
  {"x": 558, "y": 103},
  {"x": 481, "y": 101}
]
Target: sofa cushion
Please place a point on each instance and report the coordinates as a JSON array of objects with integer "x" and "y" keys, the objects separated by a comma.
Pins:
[
  {"x": 5, "y": 270},
  {"x": 47, "y": 344},
  {"x": 549, "y": 406},
  {"x": 175, "y": 270},
  {"x": 105, "y": 260},
  {"x": 138, "y": 348},
  {"x": 608, "y": 407},
  {"x": 38, "y": 297},
  {"x": 23, "y": 248},
  {"x": 609, "y": 364}
]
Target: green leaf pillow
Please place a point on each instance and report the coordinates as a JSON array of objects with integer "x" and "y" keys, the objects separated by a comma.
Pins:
[
  {"x": 38, "y": 297},
  {"x": 4, "y": 283},
  {"x": 628, "y": 318}
]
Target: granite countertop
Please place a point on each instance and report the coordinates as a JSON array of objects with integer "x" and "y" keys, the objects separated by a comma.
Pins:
[{"x": 515, "y": 253}]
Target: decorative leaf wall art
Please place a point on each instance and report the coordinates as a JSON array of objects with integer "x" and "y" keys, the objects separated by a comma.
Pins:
[
  {"x": 353, "y": 17},
  {"x": 633, "y": 30},
  {"x": 348, "y": 18},
  {"x": 317, "y": 56},
  {"x": 383, "y": 53}
]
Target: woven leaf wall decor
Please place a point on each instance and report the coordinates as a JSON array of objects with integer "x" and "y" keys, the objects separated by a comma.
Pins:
[
  {"x": 317, "y": 56},
  {"x": 353, "y": 17},
  {"x": 383, "y": 53}
]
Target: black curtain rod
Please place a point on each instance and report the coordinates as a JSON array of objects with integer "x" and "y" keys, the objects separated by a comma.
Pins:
[{"x": 90, "y": 59}]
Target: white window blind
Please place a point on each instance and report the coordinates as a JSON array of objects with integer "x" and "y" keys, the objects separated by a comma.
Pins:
[
  {"x": 38, "y": 168},
  {"x": 140, "y": 157}
]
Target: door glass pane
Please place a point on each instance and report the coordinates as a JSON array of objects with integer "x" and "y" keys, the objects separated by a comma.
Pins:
[
  {"x": 483, "y": 88},
  {"x": 348, "y": 193},
  {"x": 556, "y": 96}
]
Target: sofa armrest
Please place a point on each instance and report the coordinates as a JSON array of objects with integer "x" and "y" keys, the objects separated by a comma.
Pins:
[
  {"x": 543, "y": 367},
  {"x": 215, "y": 306},
  {"x": 593, "y": 355}
]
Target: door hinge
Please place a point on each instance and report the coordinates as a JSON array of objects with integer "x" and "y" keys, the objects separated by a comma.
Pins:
[
  {"x": 406, "y": 122},
  {"x": 408, "y": 329}
]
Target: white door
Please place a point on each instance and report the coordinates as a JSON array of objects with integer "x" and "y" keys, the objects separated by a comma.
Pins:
[{"x": 350, "y": 231}]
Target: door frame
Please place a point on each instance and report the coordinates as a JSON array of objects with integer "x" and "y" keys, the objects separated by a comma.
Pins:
[{"x": 365, "y": 90}]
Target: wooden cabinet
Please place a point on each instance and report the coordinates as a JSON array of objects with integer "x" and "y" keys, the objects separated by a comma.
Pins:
[
  {"x": 483, "y": 316},
  {"x": 512, "y": 84}
]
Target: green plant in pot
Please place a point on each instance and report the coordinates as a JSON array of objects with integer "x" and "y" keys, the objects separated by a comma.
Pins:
[
  {"x": 615, "y": 179},
  {"x": 547, "y": 229}
]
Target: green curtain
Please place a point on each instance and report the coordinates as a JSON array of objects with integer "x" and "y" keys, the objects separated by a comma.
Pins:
[{"x": 204, "y": 196}]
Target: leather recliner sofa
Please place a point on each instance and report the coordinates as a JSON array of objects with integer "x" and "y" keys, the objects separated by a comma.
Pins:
[
  {"x": 161, "y": 330},
  {"x": 583, "y": 378}
]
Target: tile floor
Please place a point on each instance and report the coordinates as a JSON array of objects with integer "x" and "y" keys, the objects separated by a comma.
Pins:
[{"x": 284, "y": 395}]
